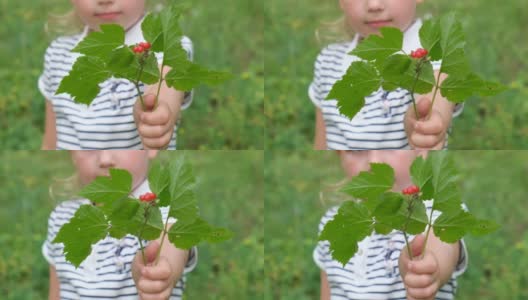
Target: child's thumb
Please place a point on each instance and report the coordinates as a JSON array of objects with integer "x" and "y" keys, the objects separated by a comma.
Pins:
[
  {"x": 150, "y": 101},
  {"x": 423, "y": 106},
  {"x": 417, "y": 245},
  {"x": 151, "y": 251}
]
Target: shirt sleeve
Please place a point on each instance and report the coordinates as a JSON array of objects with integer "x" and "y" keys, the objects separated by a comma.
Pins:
[
  {"x": 49, "y": 249},
  {"x": 187, "y": 45},
  {"x": 314, "y": 90},
  {"x": 45, "y": 83},
  {"x": 321, "y": 253}
]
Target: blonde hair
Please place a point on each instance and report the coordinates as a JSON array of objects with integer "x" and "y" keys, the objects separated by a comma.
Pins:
[
  {"x": 333, "y": 32},
  {"x": 62, "y": 189}
]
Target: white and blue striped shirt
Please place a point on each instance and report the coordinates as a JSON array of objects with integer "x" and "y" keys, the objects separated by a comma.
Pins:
[
  {"x": 107, "y": 272},
  {"x": 108, "y": 122},
  {"x": 379, "y": 124},
  {"x": 373, "y": 273}
]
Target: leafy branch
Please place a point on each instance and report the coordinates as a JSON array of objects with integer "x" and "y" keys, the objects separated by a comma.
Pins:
[
  {"x": 382, "y": 211},
  {"x": 117, "y": 214},
  {"x": 106, "y": 55},
  {"x": 386, "y": 65}
]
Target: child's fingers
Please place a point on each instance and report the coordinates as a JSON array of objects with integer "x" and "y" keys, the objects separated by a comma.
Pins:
[
  {"x": 152, "y": 286},
  {"x": 157, "y": 142},
  {"x": 149, "y": 100},
  {"x": 160, "y": 116},
  {"x": 427, "y": 293},
  {"x": 421, "y": 141},
  {"x": 155, "y": 296},
  {"x": 153, "y": 131},
  {"x": 161, "y": 271},
  {"x": 418, "y": 280},
  {"x": 435, "y": 125},
  {"x": 423, "y": 107},
  {"x": 426, "y": 265}
]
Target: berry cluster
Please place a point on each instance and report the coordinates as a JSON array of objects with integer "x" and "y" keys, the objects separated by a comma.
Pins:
[
  {"x": 419, "y": 53},
  {"x": 141, "y": 47},
  {"x": 148, "y": 197},
  {"x": 413, "y": 189}
]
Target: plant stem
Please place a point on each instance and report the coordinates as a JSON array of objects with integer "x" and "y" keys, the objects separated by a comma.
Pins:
[
  {"x": 418, "y": 70},
  {"x": 409, "y": 251},
  {"x": 434, "y": 94},
  {"x": 410, "y": 208},
  {"x": 136, "y": 83},
  {"x": 159, "y": 84},
  {"x": 428, "y": 230},
  {"x": 162, "y": 239},
  {"x": 141, "y": 233}
]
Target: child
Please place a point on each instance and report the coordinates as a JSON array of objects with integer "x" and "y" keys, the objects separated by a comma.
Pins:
[
  {"x": 387, "y": 121},
  {"x": 114, "y": 269},
  {"x": 381, "y": 268},
  {"x": 114, "y": 120}
]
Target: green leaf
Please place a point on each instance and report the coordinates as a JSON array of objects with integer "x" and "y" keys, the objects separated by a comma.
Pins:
[
  {"x": 444, "y": 180},
  {"x": 82, "y": 82},
  {"x": 121, "y": 218},
  {"x": 430, "y": 38},
  {"x": 125, "y": 64},
  {"x": 101, "y": 43},
  {"x": 456, "y": 64},
  {"x": 106, "y": 190},
  {"x": 87, "y": 227},
  {"x": 181, "y": 177},
  {"x": 458, "y": 89},
  {"x": 350, "y": 225},
  {"x": 186, "y": 235},
  {"x": 376, "y": 47},
  {"x": 452, "y": 35},
  {"x": 152, "y": 220},
  {"x": 452, "y": 227},
  {"x": 158, "y": 177},
  {"x": 389, "y": 211},
  {"x": 400, "y": 71},
  {"x": 370, "y": 185},
  {"x": 184, "y": 208},
  {"x": 417, "y": 216},
  {"x": 421, "y": 172},
  {"x": 186, "y": 78},
  {"x": 163, "y": 32},
  {"x": 360, "y": 80}
]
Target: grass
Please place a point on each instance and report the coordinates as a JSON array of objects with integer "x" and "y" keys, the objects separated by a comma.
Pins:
[
  {"x": 230, "y": 194},
  {"x": 227, "y": 35},
  {"x": 493, "y": 186},
  {"x": 495, "y": 43}
]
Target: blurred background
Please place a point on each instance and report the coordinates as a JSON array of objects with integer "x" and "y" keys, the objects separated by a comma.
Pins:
[
  {"x": 229, "y": 192},
  {"x": 496, "y": 44},
  {"x": 493, "y": 185},
  {"x": 227, "y": 35}
]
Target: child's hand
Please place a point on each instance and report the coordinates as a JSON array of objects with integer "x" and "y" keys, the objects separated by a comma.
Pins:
[
  {"x": 421, "y": 275},
  {"x": 153, "y": 282},
  {"x": 425, "y": 133},
  {"x": 155, "y": 126}
]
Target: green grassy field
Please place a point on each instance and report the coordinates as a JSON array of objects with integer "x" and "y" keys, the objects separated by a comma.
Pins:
[
  {"x": 493, "y": 186},
  {"x": 230, "y": 193},
  {"x": 227, "y": 35},
  {"x": 495, "y": 43}
]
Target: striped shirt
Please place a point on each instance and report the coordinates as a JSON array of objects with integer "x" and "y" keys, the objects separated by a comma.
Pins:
[
  {"x": 108, "y": 122},
  {"x": 373, "y": 273},
  {"x": 107, "y": 272},
  {"x": 379, "y": 124}
]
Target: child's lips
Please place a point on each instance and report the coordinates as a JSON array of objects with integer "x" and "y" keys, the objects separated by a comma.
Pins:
[
  {"x": 379, "y": 23},
  {"x": 108, "y": 15}
]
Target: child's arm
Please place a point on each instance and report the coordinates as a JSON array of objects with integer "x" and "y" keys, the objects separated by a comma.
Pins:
[
  {"x": 320, "y": 135},
  {"x": 424, "y": 276},
  {"x": 54, "y": 289},
  {"x": 431, "y": 133},
  {"x": 157, "y": 281},
  {"x": 325, "y": 288},
  {"x": 156, "y": 125},
  {"x": 49, "y": 140}
]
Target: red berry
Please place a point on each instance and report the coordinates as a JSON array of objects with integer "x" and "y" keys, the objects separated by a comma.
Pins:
[
  {"x": 148, "y": 197},
  {"x": 138, "y": 49},
  {"x": 419, "y": 53},
  {"x": 145, "y": 45},
  {"x": 413, "y": 189}
]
